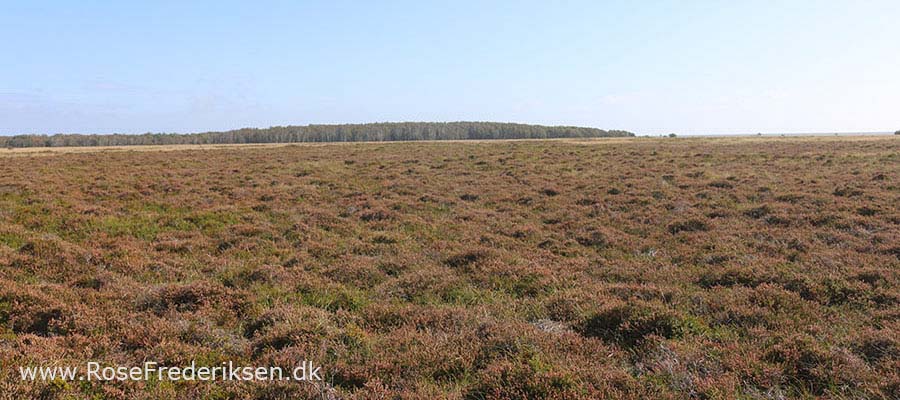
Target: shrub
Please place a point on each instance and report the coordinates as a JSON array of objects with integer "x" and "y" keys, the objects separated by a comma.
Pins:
[
  {"x": 180, "y": 297},
  {"x": 721, "y": 185},
  {"x": 818, "y": 368},
  {"x": 691, "y": 225},
  {"x": 29, "y": 311},
  {"x": 468, "y": 197},
  {"x": 511, "y": 380},
  {"x": 746, "y": 307},
  {"x": 875, "y": 346},
  {"x": 866, "y": 211},
  {"x": 733, "y": 276},
  {"x": 562, "y": 308},
  {"x": 550, "y": 191},
  {"x": 375, "y": 214},
  {"x": 846, "y": 191},
  {"x": 592, "y": 238},
  {"x": 465, "y": 259},
  {"x": 758, "y": 212},
  {"x": 302, "y": 333},
  {"x": 190, "y": 297},
  {"x": 630, "y": 324}
]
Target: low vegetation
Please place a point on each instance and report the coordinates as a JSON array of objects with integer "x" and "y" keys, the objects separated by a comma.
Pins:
[{"x": 641, "y": 268}]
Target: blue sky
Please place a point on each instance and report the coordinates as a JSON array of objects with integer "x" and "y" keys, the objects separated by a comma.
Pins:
[{"x": 650, "y": 66}]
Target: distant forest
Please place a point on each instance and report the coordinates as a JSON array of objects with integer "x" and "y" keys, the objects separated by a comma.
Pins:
[{"x": 375, "y": 132}]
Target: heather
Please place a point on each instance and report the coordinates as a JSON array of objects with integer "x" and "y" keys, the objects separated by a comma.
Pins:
[{"x": 611, "y": 268}]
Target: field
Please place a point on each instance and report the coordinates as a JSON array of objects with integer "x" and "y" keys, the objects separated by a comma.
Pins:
[{"x": 610, "y": 268}]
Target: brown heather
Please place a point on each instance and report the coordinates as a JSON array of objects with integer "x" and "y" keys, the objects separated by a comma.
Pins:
[{"x": 619, "y": 268}]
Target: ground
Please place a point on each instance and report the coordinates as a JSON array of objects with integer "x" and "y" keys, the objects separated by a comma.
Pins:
[{"x": 610, "y": 268}]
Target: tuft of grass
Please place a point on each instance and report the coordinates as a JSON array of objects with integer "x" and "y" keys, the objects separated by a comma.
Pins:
[{"x": 334, "y": 299}]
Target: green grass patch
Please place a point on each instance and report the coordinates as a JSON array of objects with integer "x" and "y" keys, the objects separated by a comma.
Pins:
[
  {"x": 333, "y": 299},
  {"x": 11, "y": 240},
  {"x": 137, "y": 226}
]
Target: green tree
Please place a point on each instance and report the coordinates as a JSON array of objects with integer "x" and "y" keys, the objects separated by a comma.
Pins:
[{"x": 324, "y": 133}]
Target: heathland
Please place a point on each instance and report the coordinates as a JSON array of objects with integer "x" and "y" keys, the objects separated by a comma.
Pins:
[{"x": 604, "y": 268}]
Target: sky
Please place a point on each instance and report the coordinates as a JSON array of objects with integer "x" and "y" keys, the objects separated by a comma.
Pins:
[{"x": 650, "y": 67}]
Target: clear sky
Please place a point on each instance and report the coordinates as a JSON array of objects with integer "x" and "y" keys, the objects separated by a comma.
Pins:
[{"x": 646, "y": 66}]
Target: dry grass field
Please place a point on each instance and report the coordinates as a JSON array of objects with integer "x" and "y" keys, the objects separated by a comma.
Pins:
[{"x": 623, "y": 268}]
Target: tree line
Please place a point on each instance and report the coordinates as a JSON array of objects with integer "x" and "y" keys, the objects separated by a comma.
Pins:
[{"x": 374, "y": 132}]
